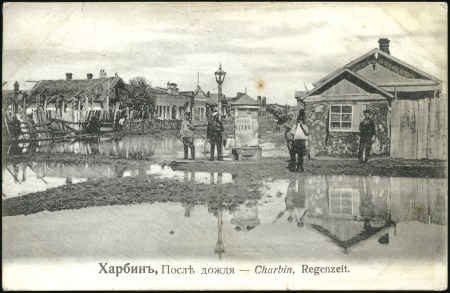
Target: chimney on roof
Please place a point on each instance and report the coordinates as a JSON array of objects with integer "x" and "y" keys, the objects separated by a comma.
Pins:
[
  {"x": 68, "y": 76},
  {"x": 16, "y": 86},
  {"x": 384, "y": 45},
  {"x": 102, "y": 73},
  {"x": 264, "y": 101},
  {"x": 89, "y": 76},
  {"x": 259, "y": 100}
]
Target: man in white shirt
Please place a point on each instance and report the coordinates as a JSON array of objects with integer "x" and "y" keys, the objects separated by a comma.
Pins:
[{"x": 301, "y": 134}]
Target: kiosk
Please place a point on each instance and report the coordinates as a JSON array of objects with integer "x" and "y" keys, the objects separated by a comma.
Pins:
[{"x": 246, "y": 129}]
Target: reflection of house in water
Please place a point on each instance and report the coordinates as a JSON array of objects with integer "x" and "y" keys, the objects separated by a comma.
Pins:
[
  {"x": 341, "y": 207},
  {"x": 419, "y": 199},
  {"x": 350, "y": 209}
]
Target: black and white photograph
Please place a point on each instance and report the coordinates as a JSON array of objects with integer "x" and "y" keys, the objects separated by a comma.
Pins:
[{"x": 225, "y": 146}]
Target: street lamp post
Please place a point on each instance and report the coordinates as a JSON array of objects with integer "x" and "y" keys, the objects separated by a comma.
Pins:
[{"x": 220, "y": 76}]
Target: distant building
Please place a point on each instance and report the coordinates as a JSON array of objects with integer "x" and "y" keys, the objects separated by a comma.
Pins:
[
  {"x": 199, "y": 107},
  {"x": 170, "y": 104}
]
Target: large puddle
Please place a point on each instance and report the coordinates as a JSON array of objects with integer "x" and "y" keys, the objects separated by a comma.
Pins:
[
  {"x": 320, "y": 216},
  {"x": 129, "y": 147},
  {"x": 25, "y": 178}
]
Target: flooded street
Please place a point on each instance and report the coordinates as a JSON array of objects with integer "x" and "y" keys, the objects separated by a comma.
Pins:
[
  {"x": 293, "y": 217},
  {"x": 128, "y": 147},
  {"x": 132, "y": 200}
]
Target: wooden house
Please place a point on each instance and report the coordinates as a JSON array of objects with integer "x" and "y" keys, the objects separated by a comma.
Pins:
[
  {"x": 403, "y": 99},
  {"x": 104, "y": 93}
]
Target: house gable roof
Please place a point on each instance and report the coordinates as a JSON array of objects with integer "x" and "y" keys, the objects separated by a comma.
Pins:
[
  {"x": 356, "y": 79},
  {"x": 244, "y": 100},
  {"x": 349, "y": 65},
  {"x": 383, "y": 59},
  {"x": 198, "y": 93}
]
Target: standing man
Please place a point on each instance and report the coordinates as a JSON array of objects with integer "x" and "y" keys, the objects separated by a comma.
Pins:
[
  {"x": 214, "y": 135},
  {"x": 298, "y": 147},
  {"x": 367, "y": 131},
  {"x": 187, "y": 136},
  {"x": 290, "y": 122}
]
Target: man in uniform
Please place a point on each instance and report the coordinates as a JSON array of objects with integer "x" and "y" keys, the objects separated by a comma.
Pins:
[
  {"x": 367, "y": 131},
  {"x": 214, "y": 135}
]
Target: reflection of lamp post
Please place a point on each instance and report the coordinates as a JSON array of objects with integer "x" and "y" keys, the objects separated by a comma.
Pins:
[
  {"x": 220, "y": 248},
  {"x": 220, "y": 76}
]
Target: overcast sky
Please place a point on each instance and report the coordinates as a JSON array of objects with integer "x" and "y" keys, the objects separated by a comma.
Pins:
[{"x": 272, "y": 49}]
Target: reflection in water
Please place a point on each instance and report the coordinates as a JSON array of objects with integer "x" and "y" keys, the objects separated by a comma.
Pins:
[
  {"x": 24, "y": 178},
  {"x": 245, "y": 217},
  {"x": 128, "y": 147},
  {"x": 295, "y": 201},
  {"x": 220, "y": 247},
  {"x": 350, "y": 209},
  {"x": 344, "y": 210}
]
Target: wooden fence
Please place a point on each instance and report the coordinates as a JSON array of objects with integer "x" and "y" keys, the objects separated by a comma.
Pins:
[
  {"x": 419, "y": 129},
  {"x": 49, "y": 124}
]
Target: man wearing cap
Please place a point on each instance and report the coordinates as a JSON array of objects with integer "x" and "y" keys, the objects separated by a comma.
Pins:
[
  {"x": 214, "y": 135},
  {"x": 367, "y": 131},
  {"x": 187, "y": 136}
]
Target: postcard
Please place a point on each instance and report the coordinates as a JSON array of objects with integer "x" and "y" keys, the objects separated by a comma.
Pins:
[{"x": 225, "y": 146}]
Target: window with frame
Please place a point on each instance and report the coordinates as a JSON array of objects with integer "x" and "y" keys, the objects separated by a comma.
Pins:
[
  {"x": 341, "y": 117},
  {"x": 341, "y": 201}
]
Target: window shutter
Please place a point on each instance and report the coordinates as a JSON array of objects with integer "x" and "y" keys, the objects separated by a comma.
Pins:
[{"x": 358, "y": 116}]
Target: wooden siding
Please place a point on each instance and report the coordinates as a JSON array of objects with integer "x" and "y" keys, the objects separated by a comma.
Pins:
[
  {"x": 419, "y": 129},
  {"x": 418, "y": 199},
  {"x": 344, "y": 87}
]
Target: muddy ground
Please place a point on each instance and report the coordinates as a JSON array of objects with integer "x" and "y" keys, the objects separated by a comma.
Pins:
[{"x": 248, "y": 174}]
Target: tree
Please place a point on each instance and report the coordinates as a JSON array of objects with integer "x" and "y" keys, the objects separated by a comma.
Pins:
[{"x": 143, "y": 97}]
